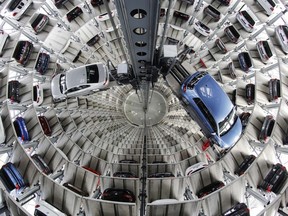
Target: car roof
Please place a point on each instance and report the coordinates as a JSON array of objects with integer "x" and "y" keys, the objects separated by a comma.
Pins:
[
  {"x": 75, "y": 77},
  {"x": 213, "y": 96}
]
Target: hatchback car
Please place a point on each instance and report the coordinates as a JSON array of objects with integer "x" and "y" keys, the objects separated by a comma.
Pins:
[
  {"x": 13, "y": 91},
  {"x": 245, "y": 61},
  {"x": 267, "y": 5},
  {"x": 274, "y": 89},
  {"x": 38, "y": 95},
  {"x": 195, "y": 167},
  {"x": 264, "y": 51},
  {"x": 282, "y": 36},
  {"x": 232, "y": 33},
  {"x": 79, "y": 81},
  {"x": 250, "y": 93},
  {"x": 42, "y": 165},
  {"x": 3, "y": 41},
  {"x": 161, "y": 175},
  {"x": 22, "y": 52},
  {"x": 42, "y": 63},
  {"x": 212, "y": 12},
  {"x": 245, "y": 20},
  {"x": 202, "y": 29},
  {"x": 212, "y": 109},
  {"x": 122, "y": 174},
  {"x": 43, "y": 208},
  {"x": 181, "y": 15},
  {"x": 16, "y": 8},
  {"x": 118, "y": 195},
  {"x": 240, "y": 209},
  {"x": 38, "y": 22},
  {"x": 275, "y": 179},
  {"x": 248, "y": 160},
  {"x": 2, "y": 132},
  {"x": 74, "y": 13},
  {"x": 45, "y": 125},
  {"x": 214, "y": 186},
  {"x": 221, "y": 46},
  {"x": 21, "y": 129},
  {"x": 266, "y": 128}
]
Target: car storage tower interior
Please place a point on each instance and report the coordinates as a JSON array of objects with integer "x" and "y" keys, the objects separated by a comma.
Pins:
[{"x": 140, "y": 116}]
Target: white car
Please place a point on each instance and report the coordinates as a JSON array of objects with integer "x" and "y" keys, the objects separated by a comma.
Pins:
[
  {"x": 267, "y": 5},
  {"x": 79, "y": 81},
  {"x": 3, "y": 40},
  {"x": 195, "y": 167},
  {"x": 16, "y": 8},
  {"x": 282, "y": 36},
  {"x": 264, "y": 51},
  {"x": 105, "y": 16},
  {"x": 202, "y": 29},
  {"x": 44, "y": 208},
  {"x": 245, "y": 20},
  {"x": 110, "y": 29},
  {"x": 2, "y": 131},
  {"x": 38, "y": 95}
]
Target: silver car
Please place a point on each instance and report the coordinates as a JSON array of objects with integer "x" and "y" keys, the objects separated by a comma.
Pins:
[
  {"x": 79, "y": 81},
  {"x": 245, "y": 20},
  {"x": 282, "y": 36}
]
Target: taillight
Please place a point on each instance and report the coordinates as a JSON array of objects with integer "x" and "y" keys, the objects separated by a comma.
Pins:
[
  {"x": 17, "y": 186},
  {"x": 22, "y": 137},
  {"x": 37, "y": 206},
  {"x": 128, "y": 197},
  {"x": 250, "y": 26},
  {"x": 14, "y": 14},
  {"x": 247, "y": 210},
  {"x": 184, "y": 88},
  {"x": 272, "y": 9},
  {"x": 269, "y": 188}
]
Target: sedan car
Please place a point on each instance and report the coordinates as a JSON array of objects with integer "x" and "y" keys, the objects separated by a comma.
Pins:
[
  {"x": 245, "y": 61},
  {"x": 248, "y": 160},
  {"x": 38, "y": 22},
  {"x": 245, "y": 20},
  {"x": 282, "y": 36},
  {"x": 264, "y": 51},
  {"x": 240, "y": 209},
  {"x": 212, "y": 109},
  {"x": 195, "y": 167},
  {"x": 44, "y": 208},
  {"x": 74, "y": 13},
  {"x": 59, "y": 3},
  {"x": 79, "y": 81},
  {"x": 38, "y": 95},
  {"x": 16, "y": 8},
  {"x": 266, "y": 128},
  {"x": 202, "y": 29},
  {"x": 214, "y": 186},
  {"x": 118, "y": 195}
]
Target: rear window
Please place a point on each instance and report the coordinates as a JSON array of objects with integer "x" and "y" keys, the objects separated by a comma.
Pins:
[
  {"x": 248, "y": 17},
  {"x": 272, "y": 3},
  {"x": 37, "y": 20},
  {"x": 203, "y": 26},
  {"x": 234, "y": 31},
  {"x": 247, "y": 59},
  {"x": 13, "y": 4},
  {"x": 92, "y": 74},
  {"x": 267, "y": 48},
  {"x": 213, "y": 10},
  {"x": 285, "y": 29},
  {"x": 34, "y": 93}
]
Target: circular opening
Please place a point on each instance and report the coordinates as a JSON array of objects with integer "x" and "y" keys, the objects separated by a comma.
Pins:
[
  {"x": 140, "y": 31},
  {"x": 140, "y": 43},
  {"x": 138, "y": 13},
  {"x": 141, "y": 53}
]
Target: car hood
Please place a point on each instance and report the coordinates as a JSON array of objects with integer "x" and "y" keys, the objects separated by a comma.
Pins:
[
  {"x": 55, "y": 88},
  {"x": 232, "y": 136},
  {"x": 212, "y": 94},
  {"x": 76, "y": 77}
]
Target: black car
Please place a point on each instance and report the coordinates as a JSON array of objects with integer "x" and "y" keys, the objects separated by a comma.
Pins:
[
  {"x": 240, "y": 209},
  {"x": 41, "y": 164},
  {"x": 245, "y": 61},
  {"x": 128, "y": 161},
  {"x": 118, "y": 195},
  {"x": 74, "y": 13},
  {"x": 161, "y": 175},
  {"x": 214, "y": 186},
  {"x": 212, "y": 12},
  {"x": 274, "y": 179},
  {"x": 97, "y": 2},
  {"x": 248, "y": 160},
  {"x": 244, "y": 117},
  {"x": 13, "y": 91},
  {"x": 274, "y": 89},
  {"x": 123, "y": 174},
  {"x": 42, "y": 63},
  {"x": 93, "y": 40},
  {"x": 22, "y": 52},
  {"x": 225, "y": 2},
  {"x": 75, "y": 189},
  {"x": 221, "y": 46},
  {"x": 250, "y": 93},
  {"x": 231, "y": 69},
  {"x": 59, "y": 3},
  {"x": 232, "y": 33},
  {"x": 266, "y": 128},
  {"x": 181, "y": 15},
  {"x": 162, "y": 12}
]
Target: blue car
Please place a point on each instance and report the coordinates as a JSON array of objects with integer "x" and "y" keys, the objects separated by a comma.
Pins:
[
  {"x": 212, "y": 109},
  {"x": 21, "y": 129}
]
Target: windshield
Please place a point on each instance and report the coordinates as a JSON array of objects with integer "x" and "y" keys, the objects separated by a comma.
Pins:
[
  {"x": 228, "y": 122},
  {"x": 92, "y": 74},
  {"x": 62, "y": 83}
]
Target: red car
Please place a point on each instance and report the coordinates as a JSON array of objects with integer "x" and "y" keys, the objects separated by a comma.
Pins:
[
  {"x": 74, "y": 13},
  {"x": 45, "y": 125},
  {"x": 214, "y": 186}
]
